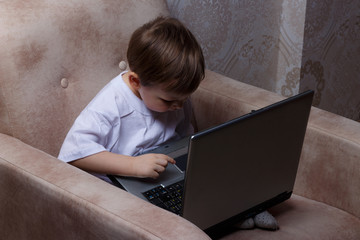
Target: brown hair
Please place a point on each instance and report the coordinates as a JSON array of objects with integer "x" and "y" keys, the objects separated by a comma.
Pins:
[{"x": 164, "y": 51}]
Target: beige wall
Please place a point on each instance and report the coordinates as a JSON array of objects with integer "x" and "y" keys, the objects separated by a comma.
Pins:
[
  {"x": 331, "y": 55},
  {"x": 273, "y": 44},
  {"x": 257, "y": 42}
]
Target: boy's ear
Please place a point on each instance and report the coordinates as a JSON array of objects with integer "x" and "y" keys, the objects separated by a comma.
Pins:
[{"x": 134, "y": 80}]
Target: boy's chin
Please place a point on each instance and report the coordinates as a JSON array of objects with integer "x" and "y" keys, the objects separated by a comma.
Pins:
[
  {"x": 162, "y": 111},
  {"x": 158, "y": 110}
]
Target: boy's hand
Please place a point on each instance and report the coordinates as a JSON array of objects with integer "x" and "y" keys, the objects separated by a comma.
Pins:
[{"x": 151, "y": 165}]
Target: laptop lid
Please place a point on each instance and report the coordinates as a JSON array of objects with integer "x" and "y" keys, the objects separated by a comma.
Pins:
[{"x": 246, "y": 165}]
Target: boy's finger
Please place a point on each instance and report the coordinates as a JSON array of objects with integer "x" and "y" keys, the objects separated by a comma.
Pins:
[
  {"x": 155, "y": 175},
  {"x": 168, "y": 159},
  {"x": 171, "y": 160},
  {"x": 159, "y": 169}
]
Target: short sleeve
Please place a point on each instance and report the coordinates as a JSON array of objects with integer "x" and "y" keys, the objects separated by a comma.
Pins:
[{"x": 90, "y": 134}]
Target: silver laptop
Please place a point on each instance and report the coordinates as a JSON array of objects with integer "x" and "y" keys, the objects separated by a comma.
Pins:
[{"x": 232, "y": 171}]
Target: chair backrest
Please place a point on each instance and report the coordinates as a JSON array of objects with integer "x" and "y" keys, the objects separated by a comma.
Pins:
[{"x": 55, "y": 56}]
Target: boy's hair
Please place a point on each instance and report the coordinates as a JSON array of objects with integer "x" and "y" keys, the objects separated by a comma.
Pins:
[{"x": 164, "y": 51}]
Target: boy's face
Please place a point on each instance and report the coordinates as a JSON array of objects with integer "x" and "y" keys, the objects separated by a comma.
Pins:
[{"x": 159, "y": 100}]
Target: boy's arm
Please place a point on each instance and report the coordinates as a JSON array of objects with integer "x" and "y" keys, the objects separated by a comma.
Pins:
[{"x": 147, "y": 165}]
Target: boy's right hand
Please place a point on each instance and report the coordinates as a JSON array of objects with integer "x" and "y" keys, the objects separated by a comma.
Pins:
[{"x": 150, "y": 165}]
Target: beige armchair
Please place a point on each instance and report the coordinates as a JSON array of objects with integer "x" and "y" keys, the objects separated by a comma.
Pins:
[{"x": 55, "y": 56}]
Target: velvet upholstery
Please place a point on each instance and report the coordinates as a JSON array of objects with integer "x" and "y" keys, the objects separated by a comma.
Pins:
[
  {"x": 59, "y": 53},
  {"x": 44, "y": 198},
  {"x": 55, "y": 56}
]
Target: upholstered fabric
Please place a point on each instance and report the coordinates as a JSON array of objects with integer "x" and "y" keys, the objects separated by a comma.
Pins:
[
  {"x": 235, "y": 98},
  {"x": 59, "y": 54},
  {"x": 55, "y": 56},
  {"x": 329, "y": 169},
  {"x": 44, "y": 198},
  {"x": 304, "y": 219}
]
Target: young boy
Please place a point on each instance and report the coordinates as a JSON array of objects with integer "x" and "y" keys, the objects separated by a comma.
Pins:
[{"x": 142, "y": 108}]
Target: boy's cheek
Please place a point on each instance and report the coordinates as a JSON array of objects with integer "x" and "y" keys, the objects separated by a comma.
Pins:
[{"x": 157, "y": 108}]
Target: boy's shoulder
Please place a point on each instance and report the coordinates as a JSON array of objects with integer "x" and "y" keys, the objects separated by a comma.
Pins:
[{"x": 111, "y": 98}]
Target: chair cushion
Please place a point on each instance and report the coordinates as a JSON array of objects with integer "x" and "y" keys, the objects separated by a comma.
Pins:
[{"x": 302, "y": 218}]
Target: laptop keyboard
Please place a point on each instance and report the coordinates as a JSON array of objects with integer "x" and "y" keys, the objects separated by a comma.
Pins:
[{"x": 168, "y": 198}]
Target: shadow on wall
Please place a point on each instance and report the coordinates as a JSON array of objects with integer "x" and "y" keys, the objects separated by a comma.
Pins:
[{"x": 331, "y": 56}]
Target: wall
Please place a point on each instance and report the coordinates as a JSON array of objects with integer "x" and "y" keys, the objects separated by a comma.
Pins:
[
  {"x": 285, "y": 46},
  {"x": 331, "y": 55},
  {"x": 257, "y": 42}
]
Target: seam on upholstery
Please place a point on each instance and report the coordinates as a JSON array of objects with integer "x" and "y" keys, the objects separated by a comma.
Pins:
[
  {"x": 232, "y": 98},
  {"x": 310, "y": 125},
  {"x": 6, "y": 106},
  {"x": 81, "y": 198},
  {"x": 304, "y": 198}
]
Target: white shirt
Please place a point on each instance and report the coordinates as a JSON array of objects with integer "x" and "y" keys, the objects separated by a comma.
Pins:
[{"x": 118, "y": 121}]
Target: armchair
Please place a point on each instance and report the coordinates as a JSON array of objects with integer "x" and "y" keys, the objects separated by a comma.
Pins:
[{"x": 55, "y": 56}]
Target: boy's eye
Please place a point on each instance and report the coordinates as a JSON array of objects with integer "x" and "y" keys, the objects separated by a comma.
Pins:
[{"x": 166, "y": 101}]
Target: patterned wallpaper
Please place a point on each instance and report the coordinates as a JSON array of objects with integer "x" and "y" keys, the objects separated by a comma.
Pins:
[
  {"x": 331, "y": 55},
  {"x": 270, "y": 44},
  {"x": 256, "y": 42}
]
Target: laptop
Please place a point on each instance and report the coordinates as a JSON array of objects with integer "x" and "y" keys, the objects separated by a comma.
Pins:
[{"x": 232, "y": 171}]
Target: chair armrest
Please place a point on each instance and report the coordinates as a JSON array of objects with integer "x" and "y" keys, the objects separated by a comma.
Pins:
[
  {"x": 219, "y": 99},
  {"x": 329, "y": 169},
  {"x": 44, "y": 198}
]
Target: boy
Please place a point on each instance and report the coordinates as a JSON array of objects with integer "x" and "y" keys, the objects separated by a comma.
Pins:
[{"x": 141, "y": 108}]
